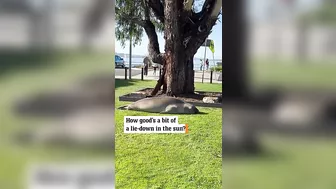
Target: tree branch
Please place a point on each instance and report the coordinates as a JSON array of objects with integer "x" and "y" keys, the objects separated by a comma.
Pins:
[
  {"x": 210, "y": 9},
  {"x": 157, "y": 8},
  {"x": 153, "y": 45},
  {"x": 202, "y": 26},
  {"x": 146, "y": 9},
  {"x": 149, "y": 27},
  {"x": 188, "y": 4}
]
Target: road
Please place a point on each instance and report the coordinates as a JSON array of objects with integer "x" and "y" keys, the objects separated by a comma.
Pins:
[{"x": 120, "y": 72}]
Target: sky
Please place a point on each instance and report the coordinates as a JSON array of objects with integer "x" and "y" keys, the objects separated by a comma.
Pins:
[
  {"x": 141, "y": 49},
  {"x": 257, "y": 10}
]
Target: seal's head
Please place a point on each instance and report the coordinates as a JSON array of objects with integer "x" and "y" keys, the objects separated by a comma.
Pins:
[{"x": 190, "y": 108}]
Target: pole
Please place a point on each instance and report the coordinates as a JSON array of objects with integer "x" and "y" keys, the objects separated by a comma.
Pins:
[
  {"x": 142, "y": 72},
  {"x": 204, "y": 59},
  {"x": 125, "y": 73},
  {"x": 130, "y": 58},
  {"x": 211, "y": 76},
  {"x": 213, "y": 59},
  {"x": 48, "y": 25}
]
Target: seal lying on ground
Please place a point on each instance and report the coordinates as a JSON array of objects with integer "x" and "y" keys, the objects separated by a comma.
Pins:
[
  {"x": 167, "y": 105},
  {"x": 88, "y": 127}
]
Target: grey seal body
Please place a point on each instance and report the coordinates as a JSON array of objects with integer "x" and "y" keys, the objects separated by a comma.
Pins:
[
  {"x": 87, "y": 128},
  {"x": 168, "y": 105}
]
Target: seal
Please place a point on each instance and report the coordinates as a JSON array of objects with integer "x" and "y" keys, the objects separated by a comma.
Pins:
[
  {"x": 164, "y": 105},
  {"x": 86, "y": 128}
]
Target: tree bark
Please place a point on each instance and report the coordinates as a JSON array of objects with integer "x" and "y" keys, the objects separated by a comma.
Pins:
[
  {"x": 153, "y": 45},
  {"x": 184, "y": 33},
  {"x": 187, "y": 87},
  {"x": 174, "y": 58},
  {"x": 189, "y": 72},
  {"x": 234, "y": 78}
]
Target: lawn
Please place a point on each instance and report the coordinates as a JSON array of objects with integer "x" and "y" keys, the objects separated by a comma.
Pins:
[
  {"x": 167, "y": 161},
  {"x": 289, "y": 74},
  {"x": 288, "y": 162},
  {"x": 27, "y": 74},
  {"x": 190, "y": 160}
]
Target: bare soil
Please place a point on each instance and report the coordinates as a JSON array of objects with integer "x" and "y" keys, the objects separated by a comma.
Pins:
[{"x": 196, "y": 97}]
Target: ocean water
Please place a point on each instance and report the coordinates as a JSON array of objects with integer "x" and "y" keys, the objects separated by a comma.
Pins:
[{"x": 138, "y": 60}]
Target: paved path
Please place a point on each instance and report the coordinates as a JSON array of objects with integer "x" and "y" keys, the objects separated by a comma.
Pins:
[
  {"x": 136, "y": 74},
  {"x": 120, "y": 72}
]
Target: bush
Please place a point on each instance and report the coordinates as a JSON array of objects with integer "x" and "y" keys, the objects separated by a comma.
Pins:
[{"x": 217, "y": 69}]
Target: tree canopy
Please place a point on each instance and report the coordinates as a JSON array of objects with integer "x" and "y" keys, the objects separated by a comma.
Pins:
[
  {"x": 135, "y": 16},
  {"x": 323, "y": 14},
  {"x": 185, "y": 23}
]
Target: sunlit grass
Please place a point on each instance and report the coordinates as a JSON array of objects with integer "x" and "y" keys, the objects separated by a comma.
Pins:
[{"x": 169, "y": 160}]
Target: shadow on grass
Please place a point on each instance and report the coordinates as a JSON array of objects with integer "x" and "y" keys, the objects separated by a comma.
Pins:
[
  {"x": 122, "y": 108},
  {"x": 17, "y": 60},
  {"x": 124, "y": 83},
  {"x": 262, "y": 155},
  {"x": 70, "y": 149},
  {"x": 203, "y": 113}
]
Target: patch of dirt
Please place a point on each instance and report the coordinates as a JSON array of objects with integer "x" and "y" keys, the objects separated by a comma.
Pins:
[{"x": 196, "y": 97}]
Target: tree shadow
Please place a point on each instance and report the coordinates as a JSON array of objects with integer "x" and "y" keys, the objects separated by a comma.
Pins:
[
  {"x": 203, "y": 113},
  {"x": 183, "y": 113},
  {"x": 89, "y": 93},
  {"x": 261, "y": 155},
  {"x": 11, "y": 61},
  {"x": 124, "y": 83}
]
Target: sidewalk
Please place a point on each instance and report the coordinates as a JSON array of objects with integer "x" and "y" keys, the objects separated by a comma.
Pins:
[{"x": 198, "y": 76}]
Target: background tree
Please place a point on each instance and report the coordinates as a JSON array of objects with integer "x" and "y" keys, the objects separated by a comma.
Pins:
[
  {"x": 234, "y": 71},
  {"x": 125, "y": 28},
  {"x": 185, "y": 23},
  {"x": 322, "y": 15},
  {"x": 94, "y": 19}
]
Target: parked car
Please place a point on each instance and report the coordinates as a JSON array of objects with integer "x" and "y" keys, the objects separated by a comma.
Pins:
[{"x": 119, "y": 62}]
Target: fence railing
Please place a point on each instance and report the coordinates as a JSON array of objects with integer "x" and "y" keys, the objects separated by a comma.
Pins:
[{"x": 209, "y": 76}]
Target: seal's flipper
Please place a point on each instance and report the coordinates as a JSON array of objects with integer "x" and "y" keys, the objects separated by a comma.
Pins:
[
  {"x": 170, "y": 110},
  {"x": 123, "y": 108},
  {"x": 24, "y": 137}
]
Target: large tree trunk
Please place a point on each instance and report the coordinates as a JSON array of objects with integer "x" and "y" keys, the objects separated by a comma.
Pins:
[
  {"x": 234, "y": 78},
  {"x": 166, "y": 80},
  {"x": 175, "y": 59},
  {"x": 189, "y": 72},
  {"x": 184, "y": 32},
  {"x": 179, "y": 79}
]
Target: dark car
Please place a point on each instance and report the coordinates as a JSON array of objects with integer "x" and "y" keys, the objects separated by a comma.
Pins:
[{"x": 119, "y": 62}]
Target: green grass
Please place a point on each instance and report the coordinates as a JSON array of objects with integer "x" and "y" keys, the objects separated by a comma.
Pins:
[
  {"x": 169, "y": 160},
  {"x": 289, "y": 74},
  {"x": 24, "y": 79},
  {"x": 288, "y": 162},
  {"x": 166, "y": 161}
]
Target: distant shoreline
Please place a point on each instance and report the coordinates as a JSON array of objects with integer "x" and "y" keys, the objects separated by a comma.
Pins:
[
  {"x": 137, "y": 60},
  {"x": 142, "y": 56}
]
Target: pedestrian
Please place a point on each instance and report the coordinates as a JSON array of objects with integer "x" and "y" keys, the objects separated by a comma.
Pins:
[
  {"x": 201, "y": 64},
  {"x": 146, "y": 64},
  {"x": 146, "y": 69},
  {"x": 207, "y": 64},
  {"x": 154, "y": 67}
]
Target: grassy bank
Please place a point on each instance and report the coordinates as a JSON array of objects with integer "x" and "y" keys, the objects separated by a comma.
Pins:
[
  {"x": 166, "y": 161},
  {"x": 169, "y": 160},
  {"x": 25, "y": 75}
]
